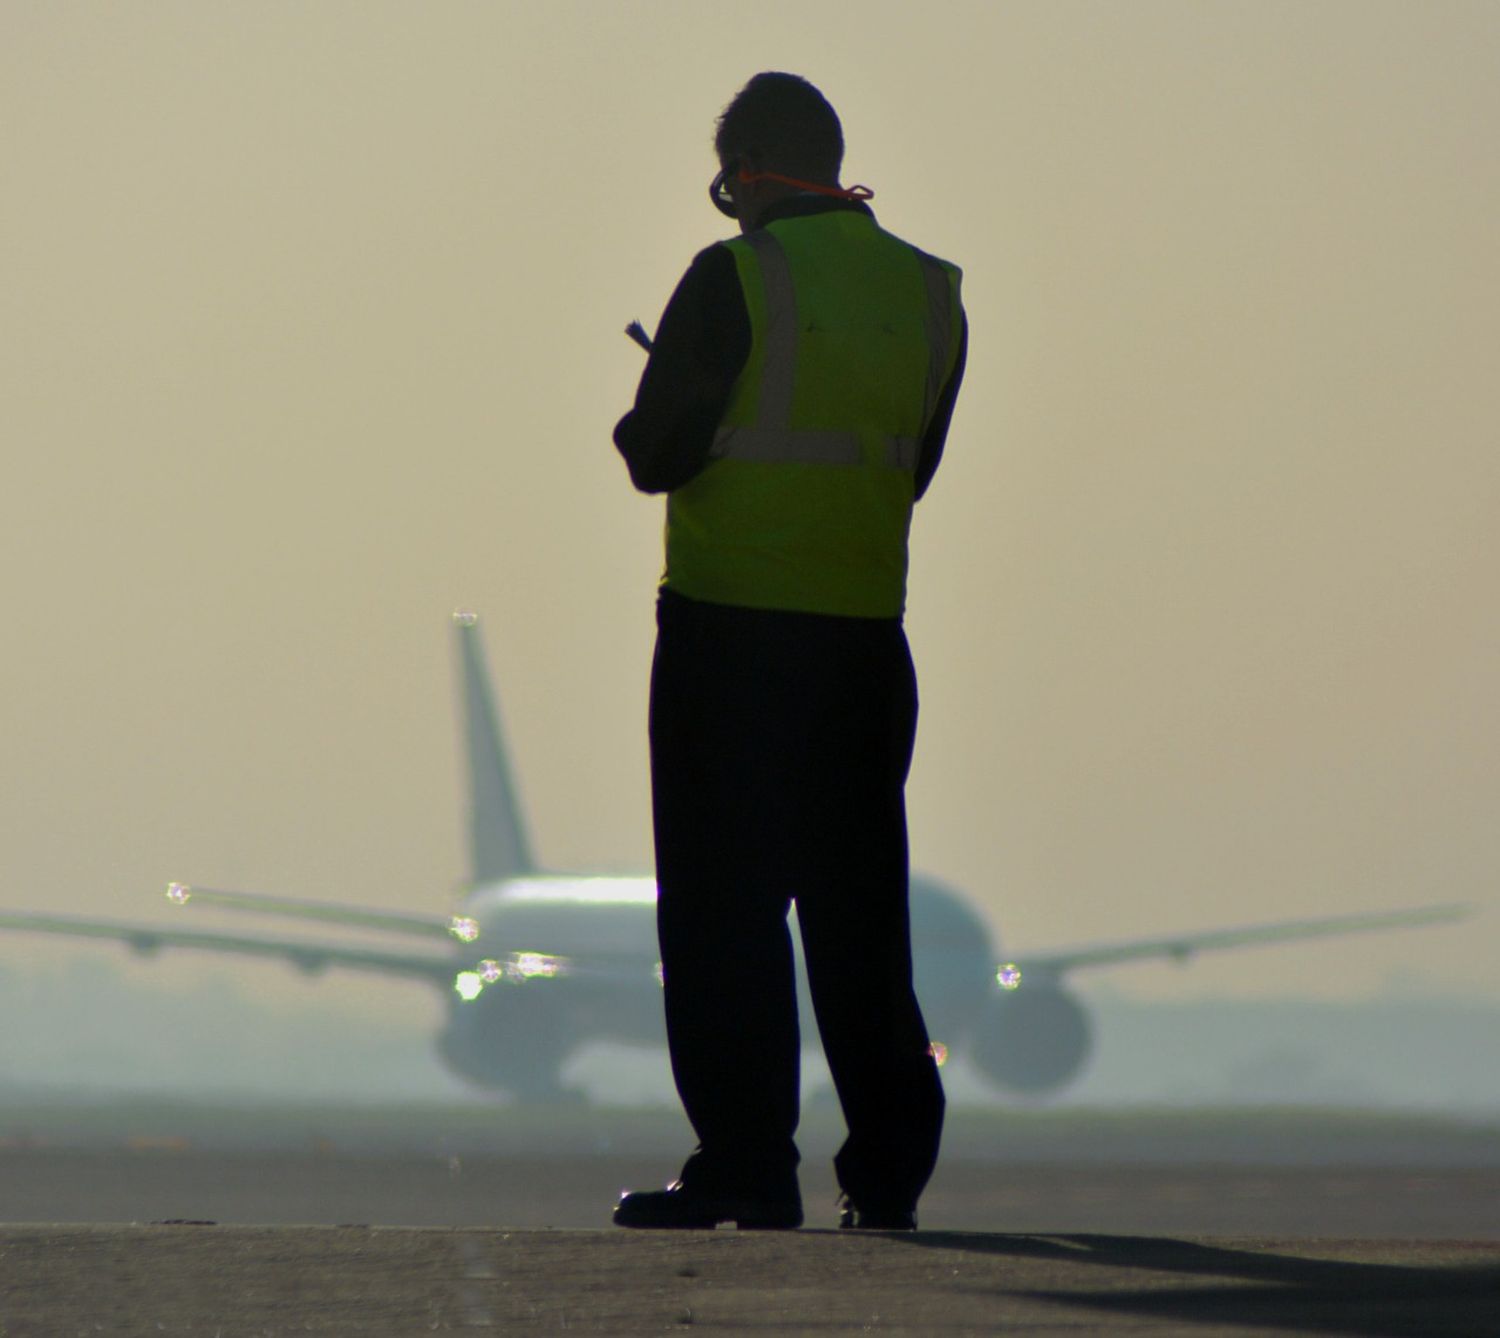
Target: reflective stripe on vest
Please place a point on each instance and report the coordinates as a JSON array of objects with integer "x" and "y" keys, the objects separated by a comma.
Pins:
[{"x": 773, "y": 439}]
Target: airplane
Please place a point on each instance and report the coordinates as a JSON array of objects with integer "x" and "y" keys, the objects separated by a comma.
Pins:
[{"x": 535, "y": 963}]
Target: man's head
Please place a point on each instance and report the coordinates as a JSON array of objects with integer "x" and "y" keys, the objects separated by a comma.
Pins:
[{"x": 777, "y": 123}]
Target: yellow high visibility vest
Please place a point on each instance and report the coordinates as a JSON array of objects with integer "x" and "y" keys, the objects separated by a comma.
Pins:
[{"x": 806, "y": 501}]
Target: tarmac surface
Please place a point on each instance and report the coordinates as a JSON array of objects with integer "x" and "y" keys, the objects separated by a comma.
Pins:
[
  {"x": 247, "y": 1223},
  {"x": 245, "y": 1188},
  {"x": 233, "y": 1281}
]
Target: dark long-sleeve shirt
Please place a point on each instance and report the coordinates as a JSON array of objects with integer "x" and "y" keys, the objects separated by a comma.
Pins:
[{"x": 700, "y": 349}]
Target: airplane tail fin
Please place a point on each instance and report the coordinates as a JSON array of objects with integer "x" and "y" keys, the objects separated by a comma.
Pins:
[{"x": 498, "y": 847}]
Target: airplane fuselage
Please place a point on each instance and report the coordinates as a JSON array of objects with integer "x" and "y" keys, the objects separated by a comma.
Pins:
[{"x": 559, "y": 959}]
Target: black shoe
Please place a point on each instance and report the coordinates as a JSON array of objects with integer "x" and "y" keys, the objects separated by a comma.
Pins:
[
  {"x": 678, "y": 1208},
  {"x": 854, "y": 1218}
]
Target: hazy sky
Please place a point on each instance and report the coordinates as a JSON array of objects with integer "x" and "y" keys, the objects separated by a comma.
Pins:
[{"x": 311, "y": 332}]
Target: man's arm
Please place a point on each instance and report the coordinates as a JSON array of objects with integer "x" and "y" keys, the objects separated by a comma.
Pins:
[
  {"x": 936, "y": 435},
  {"x": 700, "y": 348}
]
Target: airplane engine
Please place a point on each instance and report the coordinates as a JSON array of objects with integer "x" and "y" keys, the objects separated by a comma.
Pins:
[
  {"x": 511, "y": 1039},
  {"x": 1031, "y": 1040}
]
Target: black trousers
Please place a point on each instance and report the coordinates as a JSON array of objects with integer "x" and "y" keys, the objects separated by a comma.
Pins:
[{"x": 780, "y": 745}]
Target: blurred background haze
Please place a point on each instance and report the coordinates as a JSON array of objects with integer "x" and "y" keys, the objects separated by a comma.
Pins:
[{"x": 312, "y": 332}]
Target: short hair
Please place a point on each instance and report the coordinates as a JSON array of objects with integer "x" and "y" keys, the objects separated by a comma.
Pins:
[{"x": 784, "y": 123}]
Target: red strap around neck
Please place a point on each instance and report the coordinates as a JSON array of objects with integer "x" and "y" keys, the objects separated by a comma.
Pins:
[{"x": 838, "y": 192}]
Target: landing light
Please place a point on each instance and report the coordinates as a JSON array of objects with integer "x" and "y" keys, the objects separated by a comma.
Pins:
[
  {"x": 468, "y": 984},
  {"x": 521, "y": 966},
  {"x": 464, "y": 928},
  {"x": 180, "y": 893},
  {"x": 1008, "y": 977}
]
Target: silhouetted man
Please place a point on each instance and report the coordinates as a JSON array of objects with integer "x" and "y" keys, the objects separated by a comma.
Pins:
[{"x": 795, "y": 405}]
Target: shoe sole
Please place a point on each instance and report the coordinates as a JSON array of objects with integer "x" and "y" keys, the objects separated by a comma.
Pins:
[{"x": 744, "y": 1217}]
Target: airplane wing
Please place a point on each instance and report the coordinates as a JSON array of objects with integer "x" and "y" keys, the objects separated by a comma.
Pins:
[
  {"x": 355, "y": 917},
  {"x": 306, "y": 956},
  {"x": 1049, "y": 966}
]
